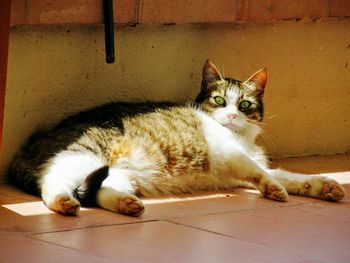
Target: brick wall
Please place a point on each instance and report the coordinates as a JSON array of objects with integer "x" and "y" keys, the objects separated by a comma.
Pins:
[{"x": 36, "y": 12}]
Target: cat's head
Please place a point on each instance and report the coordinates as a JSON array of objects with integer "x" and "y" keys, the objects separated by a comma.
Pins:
[{"x": 234, "y": 104}]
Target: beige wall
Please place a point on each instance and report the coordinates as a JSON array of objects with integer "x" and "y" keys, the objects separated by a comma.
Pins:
[{"x": 55, "y": 71}]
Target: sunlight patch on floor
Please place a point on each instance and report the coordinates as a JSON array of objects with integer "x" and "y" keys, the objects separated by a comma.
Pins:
[
  {"x": 39, "y": 208},
  {"x": 252, "y": 191},
  {"x": 186, "y": 198},
  {"x": 341, "y": 177},
  {"x": 31, "y": 208}
]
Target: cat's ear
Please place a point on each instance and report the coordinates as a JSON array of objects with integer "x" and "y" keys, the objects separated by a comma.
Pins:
[
  {"x": 210, "y": 72},
  {"x": 259, "y": 79}
]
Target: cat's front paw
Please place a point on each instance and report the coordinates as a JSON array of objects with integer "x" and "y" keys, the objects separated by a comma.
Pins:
[
  {"x": 332, "y": 191},
  {"x": 275, "y": 192}
]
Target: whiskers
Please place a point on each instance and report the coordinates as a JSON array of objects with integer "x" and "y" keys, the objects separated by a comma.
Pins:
[
  {"x": 223, "y": 69},
  {"x": 271, "y": 117},
  {"x": 106, "y": 122},
  {"x": 254, "y": 124}
]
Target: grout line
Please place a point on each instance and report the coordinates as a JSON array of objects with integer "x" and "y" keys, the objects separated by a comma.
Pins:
[
  {"x": 221, "y": 234},
  {"x": 33, "y": 234},
  {"x": 199, "y": 228},
  {"x": 67, "y": 247},
  {"x": 138, "y": 6}
]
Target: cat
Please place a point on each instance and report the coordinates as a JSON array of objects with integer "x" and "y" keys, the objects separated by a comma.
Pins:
[{"x": 112, "y": 155}]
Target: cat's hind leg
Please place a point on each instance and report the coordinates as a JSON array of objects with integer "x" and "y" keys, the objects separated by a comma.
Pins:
[
  {"x": 117, "y": 194},
  {"x": 62, "y": 175},
  {"x": 309, "y": 185}
]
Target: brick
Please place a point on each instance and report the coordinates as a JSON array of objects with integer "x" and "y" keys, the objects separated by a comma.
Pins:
[
  {"x": 64, "y": 11},
  {"x": 125, "y": 11},
  {"x": 340, "y": 8},
  {"x": 265, "y": 10},
  {"x": 183, "y": 11},
  {"x": 18, "y": 12},
  {"x": 78, "y": 11}
]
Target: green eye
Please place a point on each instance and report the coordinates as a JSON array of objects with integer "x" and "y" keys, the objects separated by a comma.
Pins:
[
  {"x": 244, "y": 105},
  {"x": 219, "y": 100}
]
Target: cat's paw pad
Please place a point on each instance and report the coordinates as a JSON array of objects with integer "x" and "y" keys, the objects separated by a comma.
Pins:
[
  {"x": 332, "y": 191},
  {"x": 131, "y": 206},
  {"x": 67, "y": 205},
  {"x": 276, "y": 192}
]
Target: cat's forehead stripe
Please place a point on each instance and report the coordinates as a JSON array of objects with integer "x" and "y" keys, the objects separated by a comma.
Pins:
[{"x": 233, "y": 95}]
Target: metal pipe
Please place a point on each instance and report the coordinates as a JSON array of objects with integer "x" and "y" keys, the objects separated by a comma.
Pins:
[{"x": 109, "y": 30}]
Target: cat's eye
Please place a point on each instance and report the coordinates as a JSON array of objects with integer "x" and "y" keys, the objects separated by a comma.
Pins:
[
  {"x": 220, "y": 100},
  {"x": 244, "y": 105}
]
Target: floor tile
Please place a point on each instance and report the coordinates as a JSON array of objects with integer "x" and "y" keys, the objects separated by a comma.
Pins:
[
  {"x": 338, "y": 211},
  {"x": 165, "y": 242},
  {"x": 293, "y": 229},
  {"x": 19, "y": 249}
]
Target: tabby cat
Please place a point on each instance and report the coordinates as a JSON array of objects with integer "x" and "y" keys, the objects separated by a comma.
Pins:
[{"x": 110, "y": 155}]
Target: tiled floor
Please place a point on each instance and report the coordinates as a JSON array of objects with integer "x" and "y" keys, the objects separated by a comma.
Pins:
[{"x": 216, "y": 227}]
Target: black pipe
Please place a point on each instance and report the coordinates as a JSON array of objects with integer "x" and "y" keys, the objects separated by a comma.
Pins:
[{"x": 109, "y": 30}]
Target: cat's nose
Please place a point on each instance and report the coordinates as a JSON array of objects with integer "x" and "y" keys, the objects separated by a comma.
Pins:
[{"x": 232, "y": 116}]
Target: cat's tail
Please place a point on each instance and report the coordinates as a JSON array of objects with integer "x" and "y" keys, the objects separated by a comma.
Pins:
[{"x": 86, "y": 193}]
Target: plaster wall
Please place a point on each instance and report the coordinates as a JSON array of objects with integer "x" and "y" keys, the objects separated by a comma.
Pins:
[{"x": 54, "y": 71}]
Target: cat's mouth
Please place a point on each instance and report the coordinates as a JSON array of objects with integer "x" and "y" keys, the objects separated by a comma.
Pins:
[{"x": 232, "y": 126}]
